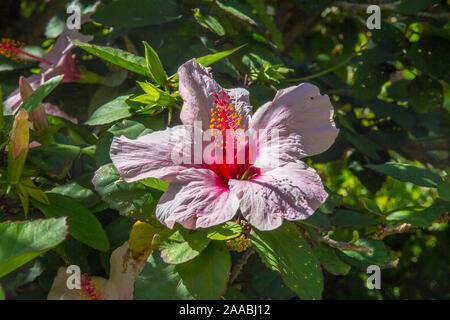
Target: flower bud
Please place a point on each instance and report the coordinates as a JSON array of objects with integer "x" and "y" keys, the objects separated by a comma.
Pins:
[
  {"x": 20, "y": 135},
  {"x": 38, "y": 115}
]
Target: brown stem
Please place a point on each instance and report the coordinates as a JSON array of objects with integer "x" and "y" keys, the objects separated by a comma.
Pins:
[
  {"x": 344, "y": 245},
  {"x": 402, "y": 228}
]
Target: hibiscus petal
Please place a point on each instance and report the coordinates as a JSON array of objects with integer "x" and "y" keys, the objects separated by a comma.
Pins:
[
  {"x": 301, "y": 115},
  {"x": 124, "y": 272},
  {"x": 59, "y": 289},
  {"x": 153, "y": 155},
  {"x": 197, "y": 88},
  {"x": 240, "y": 98},
  {"x": 198, "y": 199},
  {"x": 293, "y": 191},
  {"x": 65, "y": 66},
  {"x": 120, "y": 285}
]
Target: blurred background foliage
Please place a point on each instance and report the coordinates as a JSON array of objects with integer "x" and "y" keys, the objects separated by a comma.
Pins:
[{"x": 389, "y": 87}]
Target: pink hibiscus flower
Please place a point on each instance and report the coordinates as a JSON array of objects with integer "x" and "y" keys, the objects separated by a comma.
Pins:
[{"x": 270, "y": 187}]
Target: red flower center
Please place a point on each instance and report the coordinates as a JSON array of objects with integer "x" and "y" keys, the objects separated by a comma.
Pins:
[
  {"x": 89, "y": 289},
  {"x": 227, "y": 121}
]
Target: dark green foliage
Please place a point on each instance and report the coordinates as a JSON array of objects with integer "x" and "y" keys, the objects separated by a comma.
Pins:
[{"x": 387, "y": 169}]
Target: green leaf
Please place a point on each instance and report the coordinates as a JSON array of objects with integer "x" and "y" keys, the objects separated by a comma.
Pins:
[
  {"x": 28, "y": 188},
  {"x": 118, "y": 57},
  {"x": 2, "y": 293},
  {"x": 398, "y": 90},
  {"x": 54, "y": 159},
  {"x": 65, "y": 151},
  {"x": 209, "y": 22},
  {"x": 348, "y": 218},
  {"x": 435, "y": 211},
  {"x": 425, "y": 94},
  {"x": 369, "y": 79},
  {"x": 155, "y": 184},
  {"x": 371, "y": 205},
  {"x": 430, "y": 55},
  {"x": 160, "y": 281},
  {"x": 136, "y": 13},
  {"x": 331, "y": 203},
  {"x": 24, "y": 241},
  {"x": 224, "y": 231},
  {"x": 389, "y": 40},
  {"x": 179, "y": 245},
  {"x": 83, "y": 225},
  {"x": 131, "y": 199},
  {"x": 205, "y": 277},
  {"x": 402, "y": 116},
  {"x": 413, "y": 6},
  {"x": 79, "y": 192},
  {"x": 330, "y": 261},
  {"x": 408, "y": 173},
  {"x": 154, "y": 65},
  {"x": 211, "y": 58},
  {"x": 41, "y": 93},
  {"x": 372, "y": 180},
  {"x": 318, "y": 220},
  {"x": 153, "y": 95},
  {"x": 408, "y": 216},
  {"x": 55, "y": 27},
  {"x": 238, "y": 10},
  {"x": 112, "y": 111},
  {"x": 264, "y": 282},
  {"x": 365, "y": 145},
  {"x": 284, "y": 250},
  {"x": 443, "y": 189},
  {"x": 380, "y": 255},
  {"x": 260, "y": 7}
]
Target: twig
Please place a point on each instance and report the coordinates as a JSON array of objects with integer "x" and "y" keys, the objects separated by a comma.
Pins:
[
  {"x": 241, "y": 263},
  {"x": 402, "y": 228},
  {"x": 344, "y": 245},
  {"x": 130, "y": 45},
  {"x": 444, "y": 16},
  {"x": 394, "y": 229},
  {"x": 337, "y": 66}
]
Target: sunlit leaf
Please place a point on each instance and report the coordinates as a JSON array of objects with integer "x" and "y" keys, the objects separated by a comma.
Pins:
[
  {"x": 284, "y": 250},
  {"x": 408, "y": 173},
  {"x": 83, "y": 225},
  {"x": 24, "y": 241}
]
